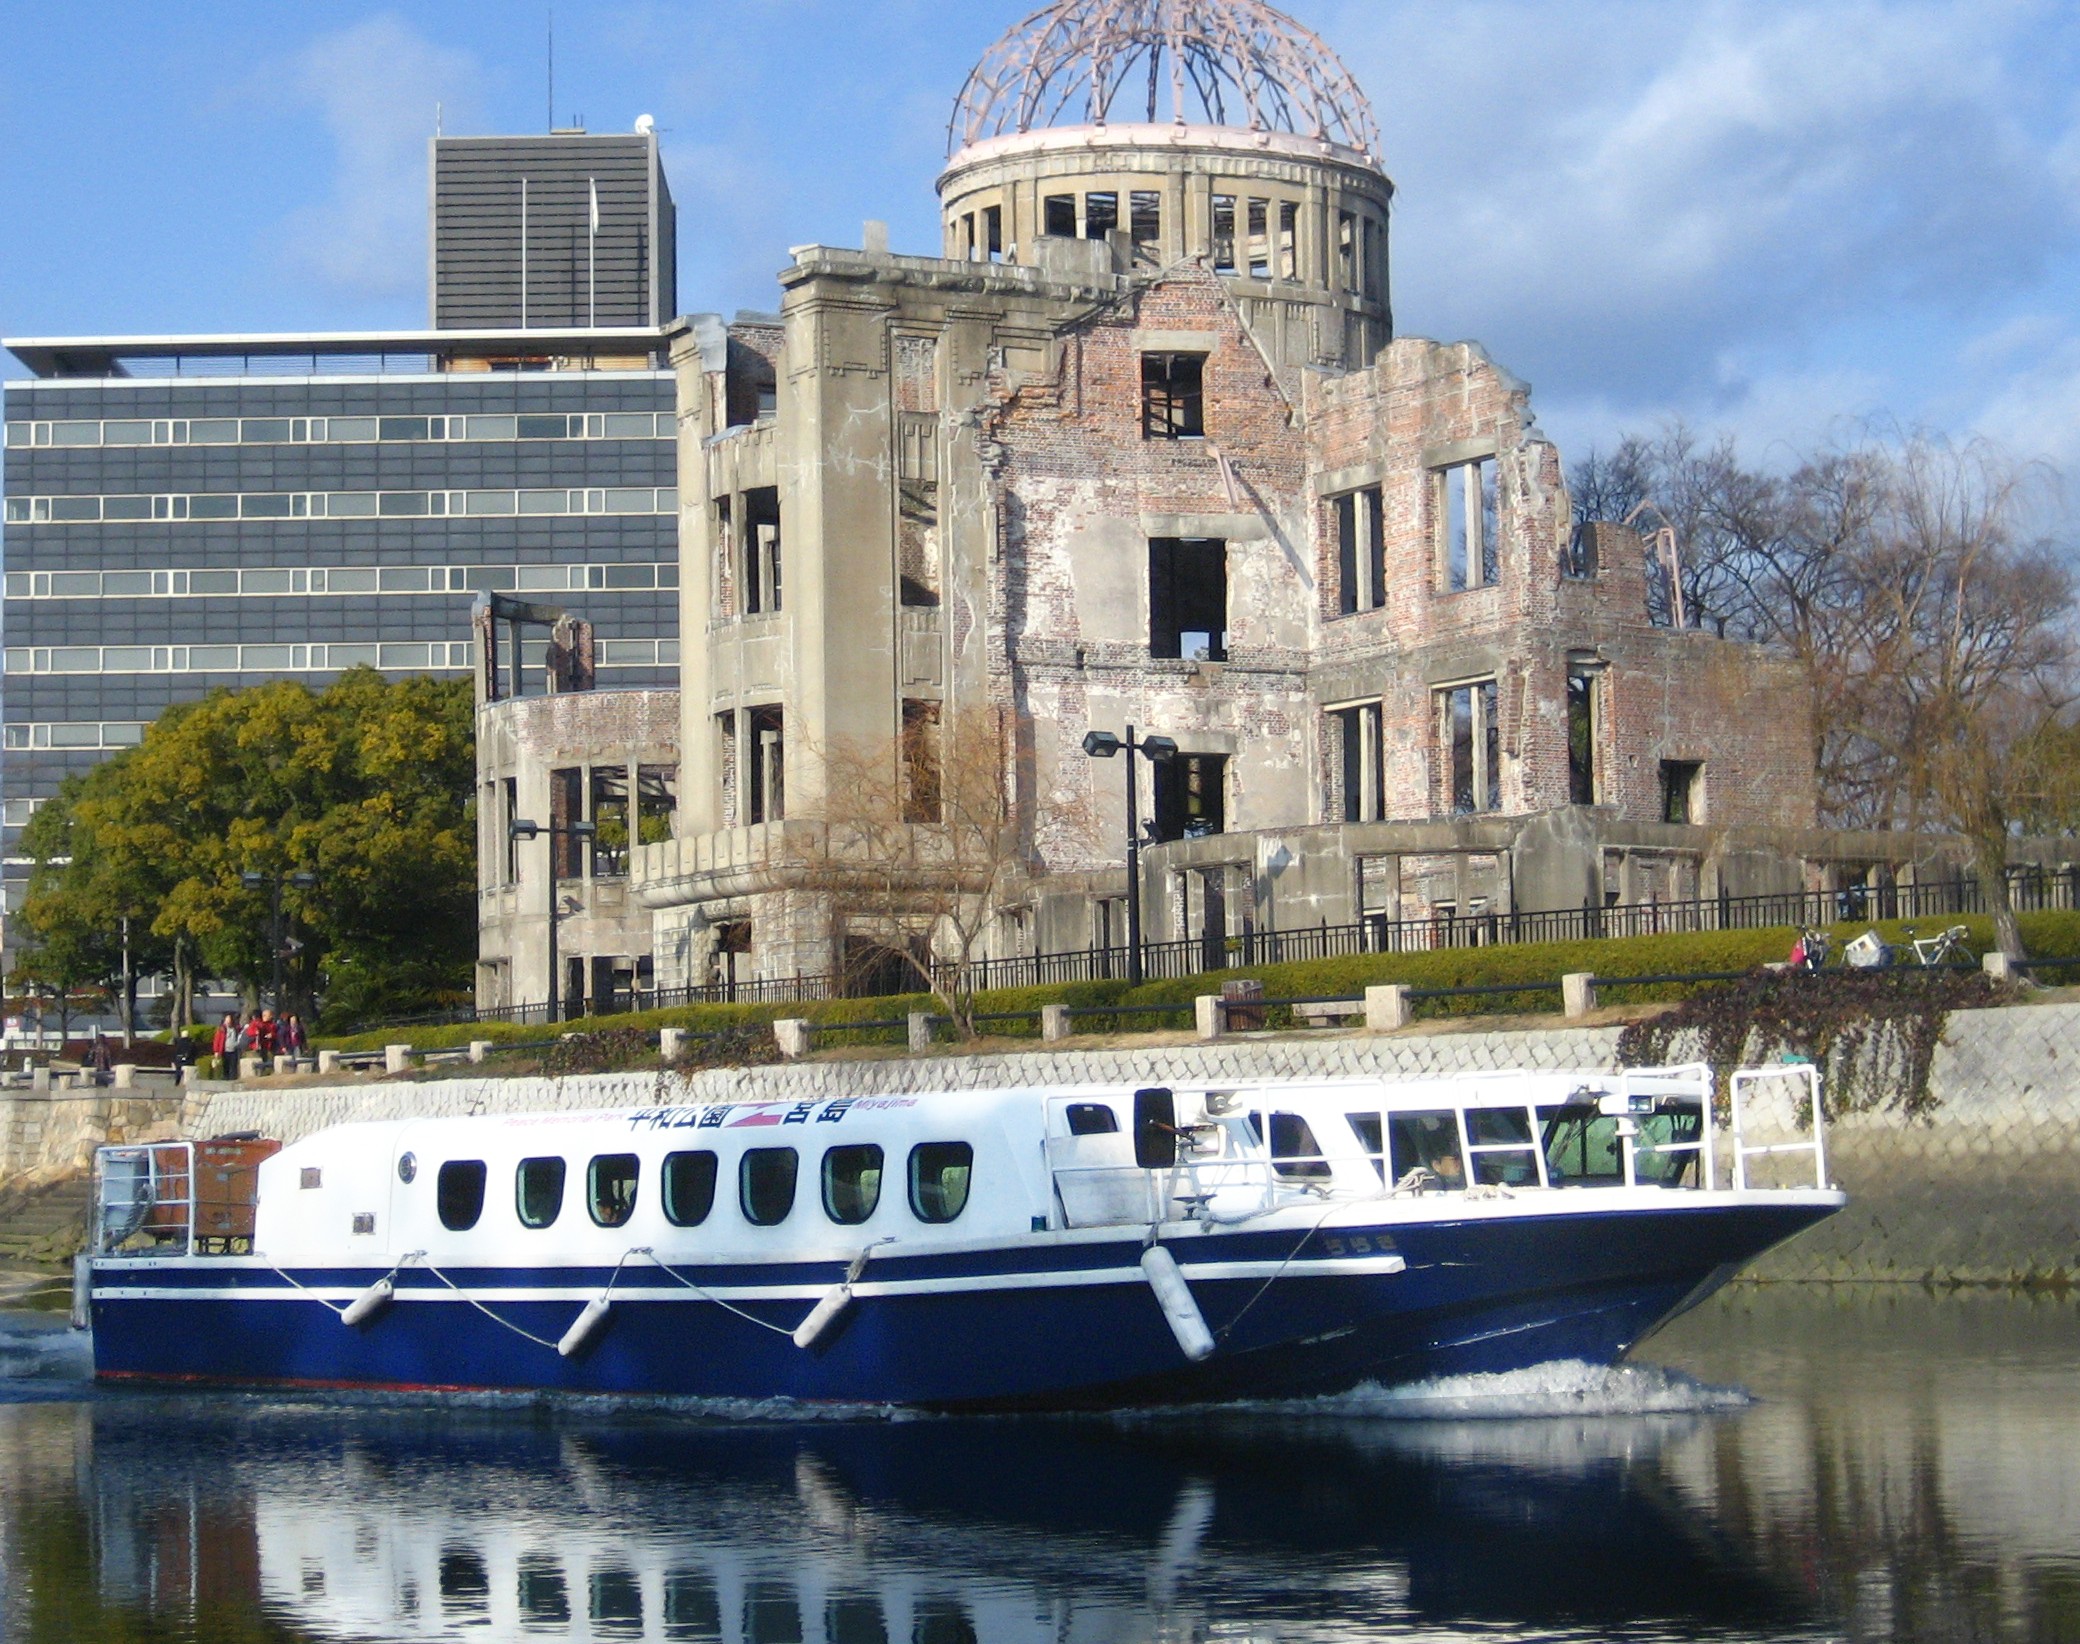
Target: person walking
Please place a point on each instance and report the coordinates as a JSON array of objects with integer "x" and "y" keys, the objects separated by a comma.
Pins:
[
  {"x": 295, "y": 1042},
  {"x": 223, "y": 1045}
]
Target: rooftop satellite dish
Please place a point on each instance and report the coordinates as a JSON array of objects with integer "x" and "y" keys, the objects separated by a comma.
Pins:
[{"x": 645, "y": 124}]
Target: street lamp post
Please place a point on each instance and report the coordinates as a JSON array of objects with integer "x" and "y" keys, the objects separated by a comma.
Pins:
[
  {"x": 521, "y": 828},
  {"x": 272, "y": 883},
  {"x": 1159, "y": 750}
]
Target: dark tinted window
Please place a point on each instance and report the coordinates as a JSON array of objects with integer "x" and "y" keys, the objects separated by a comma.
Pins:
[
  {"x": 459, "y": 1194},
  {"x": 610, "y": 1188},
  {"x": 940, "y": 1173},
  {"x": 1092, "y": 1119},
  {"x": 538, "y": 1191},
  {"x": 851, "y": 1182},
  {"x": 1366, "y": 1127},
  {"x": 765, "y": 1185},
  {"x": 1503, "y": 1150},
  {"x": 1294, "y": 1151},
  {"x": 688, "y": 1187}
]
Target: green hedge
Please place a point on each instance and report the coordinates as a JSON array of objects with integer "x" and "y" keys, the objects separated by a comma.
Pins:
[{"x": 2047, "y": 935}]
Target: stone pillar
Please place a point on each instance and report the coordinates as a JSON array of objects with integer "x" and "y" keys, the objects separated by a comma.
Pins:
[
  {"x": 1999, "y": 966},
  {"x": 126, "y": 1075},
  {"x": 1054, "y": 1023},
  {"x": 920, "y": 1031},
  {"x": 670, "y": 1042},
  {"x": 1578, "y": 993},
  {"x": 191, "y": 1075},
  {"x": 479, "y": 1049},
  {"x": 791, "y": 1034},
  {"x": 396, "y": 1058},
  {"x": 1387, "y": 1008},
  {"x": 328, "y": 1061},
  {"x": 40, "y": 1078},
  {"x": 1210, "y": 1015}
]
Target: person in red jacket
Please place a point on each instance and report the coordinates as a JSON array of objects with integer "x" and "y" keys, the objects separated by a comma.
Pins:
[{"x": 224, "y": 1046}]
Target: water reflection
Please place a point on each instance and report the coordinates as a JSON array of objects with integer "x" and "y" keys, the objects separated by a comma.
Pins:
[{"x": 1873, "y": 1493}]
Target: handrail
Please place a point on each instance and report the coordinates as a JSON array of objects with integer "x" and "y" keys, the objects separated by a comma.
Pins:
[
  {"x": 152, "y": 1191},
  {"x": 1739, "y": 1085}
]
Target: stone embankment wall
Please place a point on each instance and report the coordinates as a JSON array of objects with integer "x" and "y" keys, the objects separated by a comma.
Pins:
[{"x": 1986, "y": 1189}]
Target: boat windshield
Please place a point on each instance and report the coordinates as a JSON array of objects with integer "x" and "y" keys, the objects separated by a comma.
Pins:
[{"x": 1583, "y": 1150}]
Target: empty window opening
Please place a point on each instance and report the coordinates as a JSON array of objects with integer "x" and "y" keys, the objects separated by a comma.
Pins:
[
  {"x": 851, "y": 1183},
  {"x": 1260, "y": 239},
  {"x": 761, "y": 550},
  {"x": 1145, "y": 221},
  {"x": 511, "y": 789},
  {"x": 1058, "y": 216},
  {"x": 724, "y": 594},
  {"x": 1191, "y": 797},
  {"x": 1347, "y": 250},
  {"x": 727, "y": 769},
  {"x": 1224, "y": 234},
  {"x": 566, "y": 805},
  {"x": 1173, "y": 396},
  {"x": 1100, "y": 215},
  {"x": 765, "y": 1184},
  {"x": 686, "y": 1187},
  {"x": 459, "y": 1194},
  {"x": 964, "y": 237},
  {"x": 609, "y": 820},
  {"x": 940, "y": 1176},
  {"x": 1679, "y": 791},
  {"x": 1361, "y": 551},
  {"x": 1092, "y": 1119},
  {"x": 1581, "y": 735},
  {"x": 1375, "y": 261},
  {"x": 917, "y": 541},
  {"x": 1358, "y": 733},
  {"x": 1468, "y": 512},
  {"x": 538, "y": 1191},
  {"x": 610, "y": 1188},
  {"x": 1288, "y": 240},
  {"x": 922, "y": 800},
  {"x": 1473, "y": 747},
  {"x": 993, "y": 231},
  {"x": 1188, "y": 598},
  {"x": 768, "y": 751},
  {"x": 657, "y": 799}
]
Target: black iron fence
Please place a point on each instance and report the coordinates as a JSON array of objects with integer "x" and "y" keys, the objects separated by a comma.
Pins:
[{"x": 2031, "y": 889}]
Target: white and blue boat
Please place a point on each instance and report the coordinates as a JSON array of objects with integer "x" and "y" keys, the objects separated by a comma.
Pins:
[{"x": 1038, "y": 1247}]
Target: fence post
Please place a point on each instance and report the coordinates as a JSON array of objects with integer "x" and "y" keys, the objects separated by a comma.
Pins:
[
  {"x": 125, "y": 1076},
  {"x": 479, "y": 1049},
  {"x": 920, "y": 1031},
  {"x": 1578, "y": 993},
  {"x": 670, "y": 1041},
  {"x": 396, "y": 1058},
  {"x": 791, "y": 1034},
  {"x": 328, "y": 1061},
  {"x": 1210, "y": 1015},
  {"x": 1999, "y": 966},
  {"x": 1387, "y": 1008},
  {"x": 1054, "y": 1023}
]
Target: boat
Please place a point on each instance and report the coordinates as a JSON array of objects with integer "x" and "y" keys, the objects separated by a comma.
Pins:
[{"x": 1042, "y": 1247}]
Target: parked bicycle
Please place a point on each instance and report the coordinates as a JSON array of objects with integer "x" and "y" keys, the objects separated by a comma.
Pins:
[
  {"x": 1810, "y": 952},
  {"x": 1931, "y": 952}
]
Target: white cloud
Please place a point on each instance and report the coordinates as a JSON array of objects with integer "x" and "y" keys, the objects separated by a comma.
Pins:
[{"x": 376, "y": 86}]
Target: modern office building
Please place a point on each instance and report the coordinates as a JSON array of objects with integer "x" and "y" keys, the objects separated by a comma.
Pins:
[{"x": 189, "y": 512}]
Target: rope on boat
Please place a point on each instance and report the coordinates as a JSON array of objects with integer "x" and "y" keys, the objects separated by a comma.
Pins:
[
  {"x": 1277, "y": 1273},
  {"x": 493, "y": 1317},
  {"x": 708, "y": 1295},
  {"x": 331, "y": 1307}
]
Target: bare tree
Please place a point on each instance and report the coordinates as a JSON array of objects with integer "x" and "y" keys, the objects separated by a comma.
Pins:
[{"x": 922, "y": 846}]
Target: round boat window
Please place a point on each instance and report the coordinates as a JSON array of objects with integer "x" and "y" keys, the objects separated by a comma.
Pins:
[{"x": 407, "y": 1167}]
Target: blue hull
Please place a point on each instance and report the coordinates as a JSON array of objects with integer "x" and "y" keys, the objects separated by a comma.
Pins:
[{"x": 1478, "y": 1295}]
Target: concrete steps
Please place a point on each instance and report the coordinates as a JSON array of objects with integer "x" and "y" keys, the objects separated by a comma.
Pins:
[{"x": 43, "y": 1226}]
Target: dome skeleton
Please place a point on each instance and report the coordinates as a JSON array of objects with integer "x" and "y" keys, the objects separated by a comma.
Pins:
[{"x": 1225, "y": 62}]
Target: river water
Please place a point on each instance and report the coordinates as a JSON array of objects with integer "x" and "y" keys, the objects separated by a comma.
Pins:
[{"x": 1785, "y": 1463}]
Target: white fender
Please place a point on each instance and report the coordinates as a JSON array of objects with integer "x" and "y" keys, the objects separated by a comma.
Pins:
[
  {"x": 1187, "y": 1323},
  {"x": 583, "y": 1326},
  {"x": 369, "y": 1303},
  {"x": 823, "y": 1315}
]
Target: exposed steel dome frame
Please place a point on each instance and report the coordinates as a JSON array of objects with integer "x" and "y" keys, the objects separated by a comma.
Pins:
[{"x": 1224, "y": 63}]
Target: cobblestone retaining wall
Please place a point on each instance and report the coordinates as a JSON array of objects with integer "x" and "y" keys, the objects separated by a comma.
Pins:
[{"x": 1987, "y": 1189}]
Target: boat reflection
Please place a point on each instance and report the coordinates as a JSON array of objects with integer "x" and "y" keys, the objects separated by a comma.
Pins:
[{"x": 410, "y": 1525}]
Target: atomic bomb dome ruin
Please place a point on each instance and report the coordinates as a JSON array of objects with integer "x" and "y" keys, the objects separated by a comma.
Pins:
[{"x": 1138, "y": 444}]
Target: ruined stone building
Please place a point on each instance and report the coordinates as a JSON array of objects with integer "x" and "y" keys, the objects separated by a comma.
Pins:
[{"x": 1141, "y": 446}]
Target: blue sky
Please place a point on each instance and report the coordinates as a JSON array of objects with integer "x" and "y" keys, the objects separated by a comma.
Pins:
[{"x": 1762, "y": 215}]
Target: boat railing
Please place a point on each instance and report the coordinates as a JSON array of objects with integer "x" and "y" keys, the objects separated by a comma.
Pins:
[
  {"x": 144, "y": 1199},
  {"x": 1812, "y": 1121}
]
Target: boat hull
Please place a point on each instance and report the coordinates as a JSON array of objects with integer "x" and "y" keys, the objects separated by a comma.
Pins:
[{"x": 1036, "y": 1325}]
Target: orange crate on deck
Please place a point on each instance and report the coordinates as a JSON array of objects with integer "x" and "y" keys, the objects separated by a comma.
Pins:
[{"x": 227, "y": 1190}]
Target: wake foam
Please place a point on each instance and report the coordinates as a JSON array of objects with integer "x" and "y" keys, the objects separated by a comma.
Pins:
[
  {"x": 1565, "y": 1387},
  {"x": 43, "y": 1350}
]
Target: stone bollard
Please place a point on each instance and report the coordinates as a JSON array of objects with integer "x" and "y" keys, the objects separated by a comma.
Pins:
[
  {"x": 1387, "y": 1008},
  {"x": 670, "y": 1042},
  {"x": 328, "y": 1061},
  {"x": 1054, "y": 1023},
  {"x": 920, "y": 1031},
  {"x": 791, "y": 1034},
  {"x": 1578, "y": 993},
  {"x": 191, "y": 1076},
  {"x": 481, "y": 1048},
  {"x": 126, "y": 1076},
  {"x": 396, "y": 1058},
  {"x": 40, "y": 1078},
  {"x": 1210, "y": 1015},
  {"x": 1999, "y": 966}
]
